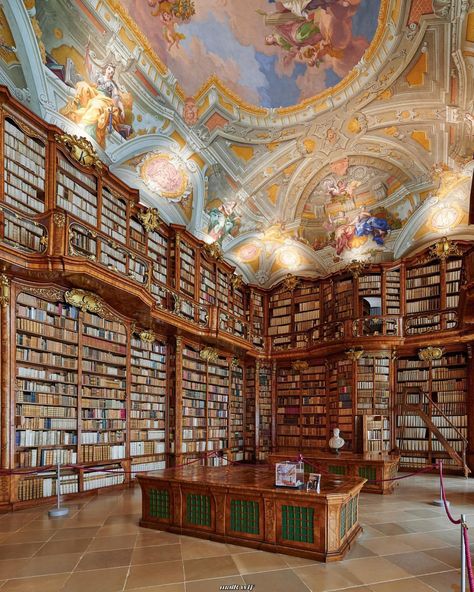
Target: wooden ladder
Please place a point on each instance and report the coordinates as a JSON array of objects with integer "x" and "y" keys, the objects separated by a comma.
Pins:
[{"x": 416, "y": 402}]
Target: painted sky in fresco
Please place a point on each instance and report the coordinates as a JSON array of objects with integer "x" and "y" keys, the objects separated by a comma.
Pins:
[{"x": 299, "y": 49}]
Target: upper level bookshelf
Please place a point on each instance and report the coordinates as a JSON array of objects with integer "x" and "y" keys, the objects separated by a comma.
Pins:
[{"x": 24, "y": 169}]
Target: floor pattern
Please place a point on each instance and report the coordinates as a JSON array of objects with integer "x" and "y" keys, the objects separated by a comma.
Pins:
[{"x": 407, "y": 545}]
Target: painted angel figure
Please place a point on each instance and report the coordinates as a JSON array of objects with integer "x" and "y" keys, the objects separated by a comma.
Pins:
[
  {"x": 99, "y": 105},
  {"x": 342, "y": 190}
]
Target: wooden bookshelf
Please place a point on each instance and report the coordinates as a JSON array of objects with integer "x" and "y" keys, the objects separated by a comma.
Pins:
[
  {"x": 24, "y": 162},
  {"x": 250, "y": 391},
  {"x": 237, "y": 412},
  {"x": 376, "y": 433},
  {"x": 445, "y": 382},
  {"x": 264, "y": 443},
  {"x": 194, "y": 400},
  {"x": 148, "y": 403}
]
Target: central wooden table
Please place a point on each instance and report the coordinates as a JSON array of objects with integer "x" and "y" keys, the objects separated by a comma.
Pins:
[{"x": 240, "y": 505}]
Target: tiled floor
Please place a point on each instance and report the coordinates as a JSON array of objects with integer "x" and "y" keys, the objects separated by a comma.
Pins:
[{"x": 407, "y": 545}]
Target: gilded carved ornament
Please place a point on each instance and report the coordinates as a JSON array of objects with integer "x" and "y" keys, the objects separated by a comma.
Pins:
[
  {"x": 146, "y": 335},
  {"x": 236, "y": 281},
  {"x": 214, "y": 251},
  {"x": 430, "y": 353},
  {"x": 86, "y": 301},
  {"x": 299, "y": 365},
  {"x": 290, "y": 282},
  {"x": 4, "y": 291},
  {"x": 444, "y": 249},
  {"x": 81, "y": 150},
  {"x": 59, "y": 219},
  {"x": 356, "y": 268},
  {"x": 209, "y": 354},
  {"x": 150, "y": 219},
  {"x": 354, "y": 354}
]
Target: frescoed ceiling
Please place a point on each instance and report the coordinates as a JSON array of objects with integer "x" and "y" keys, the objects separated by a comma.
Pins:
[{"x": 295, "y": 144}]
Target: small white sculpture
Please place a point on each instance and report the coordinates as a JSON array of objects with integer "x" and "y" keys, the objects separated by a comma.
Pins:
[{"x": 336, "y": 441}]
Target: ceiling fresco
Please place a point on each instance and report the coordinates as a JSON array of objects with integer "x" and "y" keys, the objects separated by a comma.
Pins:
[
  {"x": 295, "y": 145},
  {"x": 270, "y": 53}
]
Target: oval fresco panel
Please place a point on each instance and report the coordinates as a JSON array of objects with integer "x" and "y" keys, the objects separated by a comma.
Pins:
[{"x": 270, "y": 53}]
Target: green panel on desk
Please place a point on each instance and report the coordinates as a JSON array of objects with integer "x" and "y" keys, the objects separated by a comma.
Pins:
[
  {"x": 342, "y": 527},
  {"x": 244, "y": 516},
  {"x": 337, "y": 469},
  {"x": 198, "y": 509},
  {"x": 369, "y": 473},
  {"x": 297, "y": 524},
  {"x": 159, "y": 503}
]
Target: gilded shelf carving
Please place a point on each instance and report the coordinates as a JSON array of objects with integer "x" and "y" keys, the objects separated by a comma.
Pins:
[
  {"x": 236, "y": 280},
  {"x": 51, "y": 294},
  {"x": 300, "y": 365},
  {"x": 4, "y": 291},
  {"x": 291, "y": 282},
  {"x": 209, "y": 354},
  {"x": 89, "y": 302},
  {"x": 81, "y": 150},
  {"x": 214, "y": 251},
  {"x": 234, "y": 362},
  {"x": 354, "y": 354},
  {"x": 150, "y": 219},
  {"x": 444, "y": 249},
  {"x": 145, "y": 335},
  {"x": 427, "y": 354},
  {"x": 59, "y": 219},
  {"x": 356, "y": 268}
]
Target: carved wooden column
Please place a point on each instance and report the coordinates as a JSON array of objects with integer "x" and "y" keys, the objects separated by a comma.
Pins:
[
  {"x": 5, "y": 383},
  {"x": 178, "y": 411}
]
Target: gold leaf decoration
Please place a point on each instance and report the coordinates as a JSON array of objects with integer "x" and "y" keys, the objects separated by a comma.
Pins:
[
  {"x": 290, "y": 282},
  {"x": 209, "y": 354},
  {"x": 81, "y": 150},
  {"x": 427, "y": 354},
  {"x": 150, "y": 219},
  {"x": 354, "y": 354},
  {"x": 300, "y": 365}
]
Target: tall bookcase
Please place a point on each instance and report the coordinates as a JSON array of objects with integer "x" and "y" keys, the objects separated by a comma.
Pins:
[
  {"x": 149, "y": 404},
  {"x": 264, "y": 443},
  {"x": 445, "y": 381}
]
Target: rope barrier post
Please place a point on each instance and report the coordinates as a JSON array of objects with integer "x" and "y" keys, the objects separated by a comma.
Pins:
[
  {"x": 58, "y": 511},
  {"x": 440, "y": 502},
  {"x": 463, "y": 554}
]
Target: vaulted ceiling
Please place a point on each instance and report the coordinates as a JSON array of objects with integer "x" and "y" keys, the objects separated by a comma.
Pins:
[{"x": 299, "y": 134}]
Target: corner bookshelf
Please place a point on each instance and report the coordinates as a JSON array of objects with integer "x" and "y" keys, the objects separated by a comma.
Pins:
[
  {"x": 313, "y": 406},
  {"x": 257, "y": 318},
  {"x": 250, "y": 411},
  {"x": 280, "y": 323},
  {"x": 288, "y": 408},
  {"x": 148, "y": 404},
  {"x": 306, "y": 300},
  {"x": 265, "y": 412},
  {"x": 373, "y": 384},
  {"x": 344, "y": 299},
  {"x": 237, "y": 413}
]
